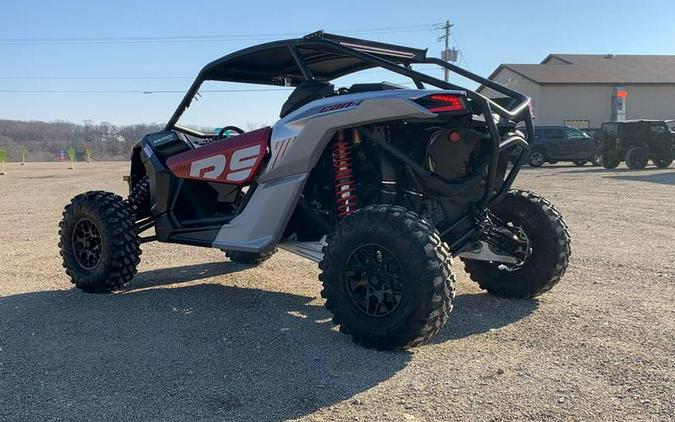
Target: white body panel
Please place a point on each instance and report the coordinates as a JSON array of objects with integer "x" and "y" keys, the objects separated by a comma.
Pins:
[{"x": 297, "y": 142}]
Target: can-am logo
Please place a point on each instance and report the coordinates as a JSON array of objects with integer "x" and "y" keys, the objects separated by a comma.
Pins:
[{"x": 340, "y": 106}]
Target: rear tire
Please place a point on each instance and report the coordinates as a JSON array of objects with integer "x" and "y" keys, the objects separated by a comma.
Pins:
[
  {"x": 536, "y": 158},
  {"x": 249, "y": 258},
  {"x": 386, "y": 278},
  {"x": 663, "y": 163},
  {"x": 637, "y": 158},
  {"x": 550, "y": 242},
  {"x": 597, "y": 159},
  {"x": 98, "y": 242}
]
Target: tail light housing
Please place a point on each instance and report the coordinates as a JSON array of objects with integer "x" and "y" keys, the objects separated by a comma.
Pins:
[{"x": 443, "y": 103}]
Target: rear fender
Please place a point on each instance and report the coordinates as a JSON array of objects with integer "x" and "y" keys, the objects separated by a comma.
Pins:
[{"x": 300, "y": 138}]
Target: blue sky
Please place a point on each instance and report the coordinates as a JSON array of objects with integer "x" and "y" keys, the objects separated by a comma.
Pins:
[{"x": 36, "y": 55}]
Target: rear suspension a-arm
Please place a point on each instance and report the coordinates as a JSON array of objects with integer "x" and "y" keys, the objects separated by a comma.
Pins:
[{"x": 496, "y": 241}]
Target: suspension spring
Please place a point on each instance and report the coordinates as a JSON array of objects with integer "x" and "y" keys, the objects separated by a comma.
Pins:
[{"x": 345, "y": 186}]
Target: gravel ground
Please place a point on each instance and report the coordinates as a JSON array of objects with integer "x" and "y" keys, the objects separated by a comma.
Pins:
[{"x": 196, "y": 337}]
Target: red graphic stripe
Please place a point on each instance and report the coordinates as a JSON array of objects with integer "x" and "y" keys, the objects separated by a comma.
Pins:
[{"x": 180, "y": 164}]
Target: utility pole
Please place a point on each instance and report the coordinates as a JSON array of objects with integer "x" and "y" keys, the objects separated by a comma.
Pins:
[
  {"x": 446, "y": 37},
  {"x": 445, "y": 54}
]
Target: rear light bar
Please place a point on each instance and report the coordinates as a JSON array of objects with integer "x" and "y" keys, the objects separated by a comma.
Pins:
[
  {"x": 376, "y": 50},
  {"x": 443, "y": 103}
]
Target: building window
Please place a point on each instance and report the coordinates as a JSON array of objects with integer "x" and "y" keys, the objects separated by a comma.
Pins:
[{"x": 579, "y": 124}]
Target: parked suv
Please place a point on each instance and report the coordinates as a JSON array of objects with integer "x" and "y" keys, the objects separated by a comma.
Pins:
[
  {"x": 636, "y": 142},
  {"x": 561, "y": 143}
]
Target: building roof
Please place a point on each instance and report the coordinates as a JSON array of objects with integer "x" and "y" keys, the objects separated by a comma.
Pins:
[{"x": 597, "y": 69}]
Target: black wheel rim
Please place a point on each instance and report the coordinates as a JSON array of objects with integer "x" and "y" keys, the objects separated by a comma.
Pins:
[
  {"x": 639, "y": 158},
  {"x": 87, "y": 244},
  {"x": 374, "y": 280},
  {"x": 536, "y": 158}
]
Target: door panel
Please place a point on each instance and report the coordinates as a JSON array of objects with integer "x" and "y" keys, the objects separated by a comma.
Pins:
[
  {"x": 554, "y": 142},
  {"x": 576, "y": 145}
]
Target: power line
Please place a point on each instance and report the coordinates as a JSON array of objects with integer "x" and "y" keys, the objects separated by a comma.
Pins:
[
  {"x": 146, "y": 91},
  {"x": 198, "y": 38},
  {"x": 47, "y": 77},
  {"x": 175, "y": 77},
  {"x": 463, "y": 56},
  {"x": 130, "y": 91}
]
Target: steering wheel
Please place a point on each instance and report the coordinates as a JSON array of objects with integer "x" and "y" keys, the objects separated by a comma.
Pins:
[{"x": 228, "y": 128}]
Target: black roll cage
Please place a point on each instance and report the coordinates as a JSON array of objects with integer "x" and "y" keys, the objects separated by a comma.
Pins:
[{"x": 398, "y": 59}]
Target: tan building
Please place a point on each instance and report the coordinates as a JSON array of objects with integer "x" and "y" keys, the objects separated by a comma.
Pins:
[{"x": 585, "y": 90}]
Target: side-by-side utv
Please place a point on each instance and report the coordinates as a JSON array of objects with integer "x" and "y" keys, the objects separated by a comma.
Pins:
[{"x": 381, "y": 184}]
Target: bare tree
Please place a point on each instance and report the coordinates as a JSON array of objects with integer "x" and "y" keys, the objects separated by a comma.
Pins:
[{"x": 43, "y": 140}]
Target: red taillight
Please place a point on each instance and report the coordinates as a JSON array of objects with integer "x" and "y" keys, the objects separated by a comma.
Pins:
[{"x": 446, "y": 102}]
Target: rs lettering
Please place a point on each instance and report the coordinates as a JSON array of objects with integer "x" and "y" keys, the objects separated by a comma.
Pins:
[
  {"x": 209, "y": 167},
  {"x": 242, "y": 163},
  {"x": 214, "y": 167}
]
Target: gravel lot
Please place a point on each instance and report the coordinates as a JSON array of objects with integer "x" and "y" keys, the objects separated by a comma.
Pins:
[{"x": 196, "y": 337}]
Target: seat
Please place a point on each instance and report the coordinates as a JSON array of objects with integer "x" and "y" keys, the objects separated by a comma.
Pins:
[{"x": 305, "y": 93}]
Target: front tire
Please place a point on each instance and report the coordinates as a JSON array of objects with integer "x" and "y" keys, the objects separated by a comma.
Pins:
[
  {"x": 549, "y": 240},
  {"x": 609, "y": 162},
  {"x": 139, "y": 198},
  {"x": 98, "y": 242},
  {"x": 387, "y": 278}
]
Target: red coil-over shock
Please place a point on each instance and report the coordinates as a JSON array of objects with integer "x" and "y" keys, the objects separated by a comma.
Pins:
[{"x": 345, "y": 186}]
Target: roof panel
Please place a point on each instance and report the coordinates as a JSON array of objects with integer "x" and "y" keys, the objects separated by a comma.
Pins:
[
  {"x": 324, "y": 54},
  {"x": 592, "y": 68}
]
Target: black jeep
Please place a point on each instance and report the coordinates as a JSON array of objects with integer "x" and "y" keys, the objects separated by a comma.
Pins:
[{"x": 636, "y": 142}]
